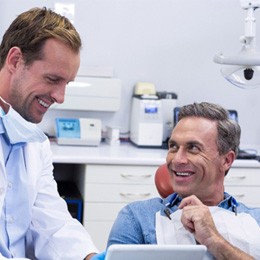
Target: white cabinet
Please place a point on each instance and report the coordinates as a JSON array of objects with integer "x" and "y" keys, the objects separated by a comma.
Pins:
[
  {"x": 244, "y": 184},
  {"x": 106, "y": 189}
]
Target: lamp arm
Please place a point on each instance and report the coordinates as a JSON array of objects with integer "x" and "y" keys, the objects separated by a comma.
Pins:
[
  {"x": 248, "y": 39},
  {"x": 250, "y": 23}
]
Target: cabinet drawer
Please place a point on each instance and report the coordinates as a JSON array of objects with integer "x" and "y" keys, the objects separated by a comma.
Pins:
[
  {"x": 122, "y": 174},
  {"x": 101, "y": 211},
  {"x": 246, "y": 195},
  {"x": 118, "y": 193},
  {"x": 99, "y": 232},
  {"x": 243, "y": 176}
]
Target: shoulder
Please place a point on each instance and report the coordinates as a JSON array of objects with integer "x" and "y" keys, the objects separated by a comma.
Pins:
[
  {"x": 153, "y": 204},
  {"x": 38, "y": 155},
  {"x": 144, "y": 208},
  {"x": 41, "y": 148},
  {"x": 254, "y": 212},
  {"x": 135, "y": 223}
]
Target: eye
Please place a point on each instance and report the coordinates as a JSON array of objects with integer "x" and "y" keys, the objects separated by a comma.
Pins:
[
  {"x": 53, "y": 80},
  {"x": 173, "y": 146},
  {"x": 194, "y": 148}
]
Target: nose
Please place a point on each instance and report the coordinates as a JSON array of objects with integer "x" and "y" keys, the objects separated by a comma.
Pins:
[
  {"x": 58, "y": 93},
  {"x": 180, "y": 157}
]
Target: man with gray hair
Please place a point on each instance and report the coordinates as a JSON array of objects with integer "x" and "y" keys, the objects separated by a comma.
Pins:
[{"x": 202, "y": 148}]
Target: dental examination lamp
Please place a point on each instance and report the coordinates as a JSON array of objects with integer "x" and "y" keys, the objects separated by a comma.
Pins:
[{"x": 243, "y": 69}]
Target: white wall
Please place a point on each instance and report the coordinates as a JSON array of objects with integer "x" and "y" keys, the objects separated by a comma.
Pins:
[{"x": 168, "y": 42}]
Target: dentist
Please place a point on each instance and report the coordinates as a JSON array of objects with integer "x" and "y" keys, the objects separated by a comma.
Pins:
[{"x": 39, "y": 55}]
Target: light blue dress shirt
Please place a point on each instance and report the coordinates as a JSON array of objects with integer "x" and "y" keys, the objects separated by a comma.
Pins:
[
  {"x": 15, "y": 218},
  {"x": 35, "y": 222}
]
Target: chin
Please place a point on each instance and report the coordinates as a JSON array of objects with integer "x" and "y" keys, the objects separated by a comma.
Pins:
[
  {"x": 37, "y": 121},
  {"x": 186, "y": 192},
  {"x": 34, "y": 120}
]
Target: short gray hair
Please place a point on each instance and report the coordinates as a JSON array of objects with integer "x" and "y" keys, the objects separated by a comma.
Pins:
[{"x": 228, "y": 129}]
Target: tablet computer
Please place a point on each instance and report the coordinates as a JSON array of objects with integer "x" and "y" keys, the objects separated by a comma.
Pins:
[{"x": 155, "y": 252}]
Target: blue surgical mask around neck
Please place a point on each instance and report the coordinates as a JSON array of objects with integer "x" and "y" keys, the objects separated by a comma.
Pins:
[{"x": 19, "y": 130}]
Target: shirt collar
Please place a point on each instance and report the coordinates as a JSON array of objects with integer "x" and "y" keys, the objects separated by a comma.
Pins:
[
  {"x": 228, "y": 202},
  {"x": 2, "y": 130},
  {"x": 173, "y": 200}
]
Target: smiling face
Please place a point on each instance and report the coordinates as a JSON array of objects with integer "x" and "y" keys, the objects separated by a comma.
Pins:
[
  {"x": 34, "y": 88},
  {"x": 194, "y": 163}
]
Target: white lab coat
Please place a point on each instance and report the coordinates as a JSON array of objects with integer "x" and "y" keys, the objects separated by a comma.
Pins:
[{"x": 53, "y": 233}]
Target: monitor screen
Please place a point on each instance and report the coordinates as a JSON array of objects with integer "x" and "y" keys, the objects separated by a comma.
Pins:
[{"x": 232, "y": 115}]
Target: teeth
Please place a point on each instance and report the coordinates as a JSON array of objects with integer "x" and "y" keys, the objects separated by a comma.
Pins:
[
  {"x": 183, "y": 173},
  {"x": 43, "y": 103}
]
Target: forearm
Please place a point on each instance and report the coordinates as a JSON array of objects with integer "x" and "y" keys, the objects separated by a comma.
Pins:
[{"x": 221, "y": 249}]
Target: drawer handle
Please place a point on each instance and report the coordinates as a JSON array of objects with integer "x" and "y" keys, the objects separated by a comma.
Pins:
[
  {"x": 239, "y": 195},
  {"x": 132, "y": 176},
  {"x": 228, "y": 178},
  {"x": 135, "y": 195}
]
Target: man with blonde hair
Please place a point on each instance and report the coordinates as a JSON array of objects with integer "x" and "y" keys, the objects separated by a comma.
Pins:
[{"x": 39, "y": 55}]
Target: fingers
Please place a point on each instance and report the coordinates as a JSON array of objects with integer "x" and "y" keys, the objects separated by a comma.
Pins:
[
  {"x": 197, "y": 219},
  {"x": 190, "y": 215},
  {"x": 188, "y": 201},
  {"x": 188, "y": 224}
]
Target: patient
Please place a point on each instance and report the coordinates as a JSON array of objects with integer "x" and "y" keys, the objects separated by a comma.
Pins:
[{"x": 202, "y": 148}]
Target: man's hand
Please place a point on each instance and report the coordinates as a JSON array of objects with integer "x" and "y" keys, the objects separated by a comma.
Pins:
[{"x": 197, "y": 218}]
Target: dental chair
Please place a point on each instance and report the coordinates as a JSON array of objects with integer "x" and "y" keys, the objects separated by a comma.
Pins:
[{"x": 162, "y": 181}]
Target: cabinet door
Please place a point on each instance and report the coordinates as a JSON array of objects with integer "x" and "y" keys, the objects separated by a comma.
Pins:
[
  {"x": 119, "y": 193},
  {"x": 243, "y": 177},
  {"x": 244, "y": 185},
  {"x": 112, "y": 177},
  {"x": 102, "y": 211},
  {"x": 106, "y": 189},
  {"x": 99, "y": 232},
  {"x": 250, "y": 196},
  {"x": 123, "y": 174},
  {"x": 98, "y": 220}
]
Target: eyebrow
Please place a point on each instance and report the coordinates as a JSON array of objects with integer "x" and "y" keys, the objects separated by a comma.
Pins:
[
  {"x": 195, "y": 142},
  {"x": 54, "y": 77},
  {"x": 192, "y": 142}
]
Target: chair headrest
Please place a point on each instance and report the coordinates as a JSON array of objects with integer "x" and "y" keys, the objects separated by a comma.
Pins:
[{"x": 163, "y": 181}]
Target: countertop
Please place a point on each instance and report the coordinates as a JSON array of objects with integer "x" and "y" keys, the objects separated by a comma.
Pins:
[{"x": 125, "y": 153}]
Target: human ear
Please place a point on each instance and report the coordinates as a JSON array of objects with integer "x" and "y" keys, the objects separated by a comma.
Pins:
[
  {"x": 229, "y": 159},
  {"x": 13, "y": 58}
]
